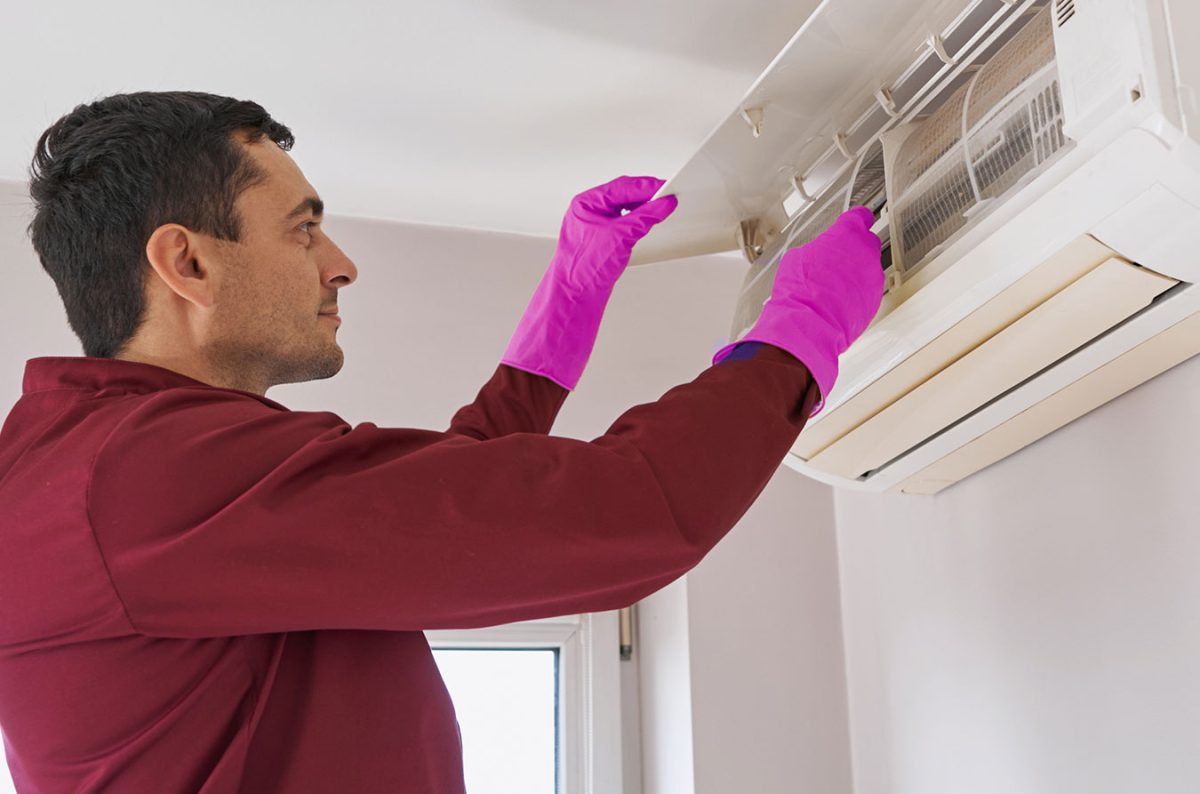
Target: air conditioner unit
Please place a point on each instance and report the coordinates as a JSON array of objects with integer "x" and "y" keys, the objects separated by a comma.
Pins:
[{"x": 1035, "y": 171}]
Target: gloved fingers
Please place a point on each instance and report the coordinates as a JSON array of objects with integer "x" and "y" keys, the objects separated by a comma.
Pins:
[
  {"x": 624, "y": 192},
  {"x": 855, "y": 216},
  {"x": 860, "y": 214},
  {"x": 639, "y": 220},
  {"x": 846, "y": 255},
  {"x": 852, "y": 230}
]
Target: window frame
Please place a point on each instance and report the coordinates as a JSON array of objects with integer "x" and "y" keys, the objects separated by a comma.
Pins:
[{"x": 589, "y": 690}]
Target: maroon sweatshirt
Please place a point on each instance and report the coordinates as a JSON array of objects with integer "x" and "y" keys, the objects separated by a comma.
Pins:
[{"x": 201, "y": 590}]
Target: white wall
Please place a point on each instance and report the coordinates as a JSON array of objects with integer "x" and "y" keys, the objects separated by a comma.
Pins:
[
  {"x": 424, "y": 326},
  {"x": 1036, "y": 628},
  {"x": 767, "y": 673},
  {"x": 742, "y": 682},
  {"x": 665, "y": 693}
]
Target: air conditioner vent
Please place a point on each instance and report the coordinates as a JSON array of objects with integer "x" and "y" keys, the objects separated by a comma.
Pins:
[
  {"x": 1063, "y": 10},
  {"x": 1002, "y": 127}
]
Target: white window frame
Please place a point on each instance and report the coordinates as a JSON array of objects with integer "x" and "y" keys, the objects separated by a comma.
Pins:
[{"x": 589, "y": 690}]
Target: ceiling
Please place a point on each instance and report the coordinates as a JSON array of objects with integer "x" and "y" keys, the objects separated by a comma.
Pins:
[{"x": 487, "y": 115}]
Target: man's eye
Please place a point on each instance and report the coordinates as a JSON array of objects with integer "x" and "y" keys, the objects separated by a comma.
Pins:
[{"x": 301, "y": 226}]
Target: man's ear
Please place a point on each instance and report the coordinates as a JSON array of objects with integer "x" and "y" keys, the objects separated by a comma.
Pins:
[{"x": 178, "y": 256}]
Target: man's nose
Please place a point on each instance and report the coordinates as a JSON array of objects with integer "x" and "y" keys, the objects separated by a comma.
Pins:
[{"x": 338, "y": 267}]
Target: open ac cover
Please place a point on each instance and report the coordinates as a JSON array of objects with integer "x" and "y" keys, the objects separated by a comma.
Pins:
[{"x": 1036, "y": 181}]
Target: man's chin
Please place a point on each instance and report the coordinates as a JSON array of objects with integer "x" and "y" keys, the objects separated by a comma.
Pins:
[
  {"x": 319, "y": 367},
  {"x": 330, "y": 364}
]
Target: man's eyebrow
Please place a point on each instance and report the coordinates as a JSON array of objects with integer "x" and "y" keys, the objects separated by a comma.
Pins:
[{"x": 310, "y": 203}]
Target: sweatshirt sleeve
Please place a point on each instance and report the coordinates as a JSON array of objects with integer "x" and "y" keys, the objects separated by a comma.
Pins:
[
  {"x": 218, "y": 514},
  {"x": 512, "y": 401}
]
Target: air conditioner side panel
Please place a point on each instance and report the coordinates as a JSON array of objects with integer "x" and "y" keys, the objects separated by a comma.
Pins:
[
  {"x": 1159, "y": 226},
  {"x": 1099, "y": 59}
]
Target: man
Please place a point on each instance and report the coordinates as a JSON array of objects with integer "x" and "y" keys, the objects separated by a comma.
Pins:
[{"x": 204, "y": 591}]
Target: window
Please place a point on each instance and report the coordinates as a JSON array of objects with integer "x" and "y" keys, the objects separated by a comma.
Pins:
[
  {"x": 506, "y": 701},
  {"x": 567, "y": 666}
]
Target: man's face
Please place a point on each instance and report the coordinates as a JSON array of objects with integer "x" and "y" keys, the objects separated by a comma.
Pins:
[{"x": 276, "y": 281}]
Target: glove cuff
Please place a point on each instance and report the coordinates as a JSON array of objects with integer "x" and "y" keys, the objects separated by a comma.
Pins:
[
  {"x": 805, "y": 334},
  {"x": 557, "y": 332}
]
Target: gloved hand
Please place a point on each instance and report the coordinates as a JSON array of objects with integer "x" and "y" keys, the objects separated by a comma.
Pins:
[
  {"x": 826, "y": 293},
  {"x": 558, "y": 330}
]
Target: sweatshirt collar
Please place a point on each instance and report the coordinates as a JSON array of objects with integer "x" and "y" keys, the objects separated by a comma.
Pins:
[{"x": 91, "y": 374}]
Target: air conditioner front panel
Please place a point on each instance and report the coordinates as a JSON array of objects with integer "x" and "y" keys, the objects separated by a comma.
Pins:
[
  {"x": 1055, "y": 274},
  {"x": 1145, "y": 361},
  {"x": 1110, "y": 293}
]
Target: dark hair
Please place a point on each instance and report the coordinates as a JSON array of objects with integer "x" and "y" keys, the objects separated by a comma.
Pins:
[{"x": 109, "y": 173}]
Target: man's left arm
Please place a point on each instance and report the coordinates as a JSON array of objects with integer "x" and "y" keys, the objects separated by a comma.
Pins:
[
  {"x": 512, "y": 401},
  {"x": 515, "y": 401}
]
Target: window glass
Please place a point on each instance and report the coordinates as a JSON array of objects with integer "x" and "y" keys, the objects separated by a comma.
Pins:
[{"x": 506, "y": 702}]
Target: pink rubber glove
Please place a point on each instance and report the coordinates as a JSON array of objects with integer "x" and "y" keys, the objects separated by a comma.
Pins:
[
  {"x": 558, "y": 330},
  {"x": 826, "y": 293}
]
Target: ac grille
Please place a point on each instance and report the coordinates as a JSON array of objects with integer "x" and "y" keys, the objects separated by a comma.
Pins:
[
  {"x": 1011, "y": 115},
  {"x": 869, "y": 178},
  {"x": 1063, "y": 10},
  {"x": 1025, "y": 141}
]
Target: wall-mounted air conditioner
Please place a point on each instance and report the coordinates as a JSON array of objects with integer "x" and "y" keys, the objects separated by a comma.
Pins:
[{"x": 1035, "y": 171}]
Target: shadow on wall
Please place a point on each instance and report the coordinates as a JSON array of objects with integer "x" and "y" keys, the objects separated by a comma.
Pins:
[{"x": 747, "y": 34}]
